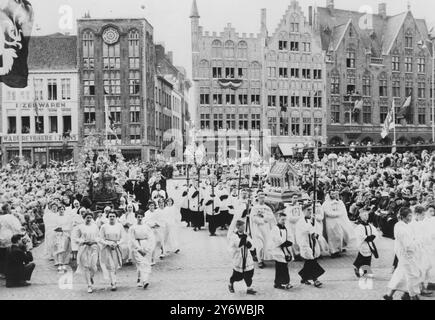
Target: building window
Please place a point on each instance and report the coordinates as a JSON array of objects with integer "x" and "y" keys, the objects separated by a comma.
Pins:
[
  {"x": 25, "y": 125},
  {"x": 317, "y": 74},
  {"x": 229, "y": 49},
  {"x": 242, "y": 73},
  {"x": 335, "y": 84},
  {"x": 408, "y": 41},
  {"x": 231, "y": 121},
  {"x": 317, "y": 100},
  {"x": 255, "y": 70},
  {"x": 112, "y": 82},
  {"x": 283, "y": 102},
  {"x": 307, "y": 127},
  {"x": 351, "y": 87},
  {"x": 422, "y": 116},
  {"x": 205, "y": 121},
  {"x": 255, "y": 99},
  {"x": 243, "y": 99},
  {"x": 409, "y": 88},
  {"x": 134, "y": 82},
  {"x": 242, "y": 50},
  {"x": 421, "y": 65},
  {"x": 256, "y": 122},
  {"x": 271, "y": 101},
  {"x": 216, "y": 49},
  {"x": 230, "y": 99},
  {"x": 335, "y": 114},
  {"x": 38, "y": 89},
  {"x": 367, "y": 86},
  {"x": 383, "y": 113},
  {"x": 306, "y": 46},
  {"x": 408, "y": 64},
  {"x": 53, "y": 124},
  {"x": 294, "y": 27},
  {"x": 218, "y": 122},
  {"x": 243, "y": 122},
  {"x": 271, "y": 123},
  {"x": 421, "y": 90},
  {"x": 217, "y": 99},
  {"x": 67, "y": 128},
  {"x": 89, "y": 115},
  {"x": 229, "y": 73},
  {"x": 306, "y": 74},
  {"x": 283, "y": 45},
  {"x": 318, "y": 123},
  {"x": 296, "y": 127},
  {"x": 306, "y": 102},
  {"x": 396, "y": 89},
  {"x": 350, "y": 59},
  {"x": 88, "y": 50},
  {"x": 283, "y": 127},
  {"x": 294, "y": 73},
  {"x": 271, "y": 72},
  {"x": 204, "y": 69},
  {"x": 88, "y": 83},
  {"x": 294, "y": 101},
  {"x": 294, "y": 46},
  {"x": 396, "y": 63},
  {"x": 66, "y": 89},
  {"x": 217, "y": 73},
  {"x": 367, "y": 114},
  {"x": 111, "y": 57},
  {"x": 12, "y": 125},
  {"x": 383, "y": 89},
  {"x": 283, "y": 72},
  {"x": 39, "y": 125},
  {"x": 133, "y": 49},
  {"x": 204, "y": 99},
  {"x": 52, "y": 89}
]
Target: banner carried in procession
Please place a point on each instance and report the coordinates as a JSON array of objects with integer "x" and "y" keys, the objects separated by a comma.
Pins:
[{"x": 16, "y": 22}]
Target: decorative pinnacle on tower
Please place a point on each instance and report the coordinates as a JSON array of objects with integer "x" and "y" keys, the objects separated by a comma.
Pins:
[{"x": 194, "y": 13}]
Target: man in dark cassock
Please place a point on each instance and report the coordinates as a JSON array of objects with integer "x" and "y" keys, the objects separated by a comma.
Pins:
[
  {"x": 19, "y": 265},
  {"x": 160, "y": 179},
  {"x": 140, "y": 189}
]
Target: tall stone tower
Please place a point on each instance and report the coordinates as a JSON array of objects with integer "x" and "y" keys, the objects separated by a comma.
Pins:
[{"x": 194, "y": 17}]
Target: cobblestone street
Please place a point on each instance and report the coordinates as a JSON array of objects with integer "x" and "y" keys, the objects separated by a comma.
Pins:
[{"x": 201, "y": 271}]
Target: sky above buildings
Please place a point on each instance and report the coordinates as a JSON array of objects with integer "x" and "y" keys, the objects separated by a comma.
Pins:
[{"x": 171, "y": 22}]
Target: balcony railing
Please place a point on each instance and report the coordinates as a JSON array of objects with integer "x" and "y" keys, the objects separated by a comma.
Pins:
[
  {"x": 377, "y": 60},
  {"x": 351, "y": 98}
]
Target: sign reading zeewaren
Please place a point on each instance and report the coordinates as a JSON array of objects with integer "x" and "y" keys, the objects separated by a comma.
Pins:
[
  {"x": 37, "y": 138},
  {"x": 41, "y": 105}
]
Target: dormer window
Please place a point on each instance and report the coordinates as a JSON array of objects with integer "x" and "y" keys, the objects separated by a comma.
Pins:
[
  {"x": 408, "y": 40},
  {"x": 350, "y": 60},
  {"x": 351, "y": 33}
]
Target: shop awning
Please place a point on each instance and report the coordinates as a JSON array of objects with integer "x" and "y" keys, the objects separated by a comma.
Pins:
[{"x": 286, "y": 149}]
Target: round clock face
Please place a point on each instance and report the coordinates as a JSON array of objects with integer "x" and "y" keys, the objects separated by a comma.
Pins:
[{"x": 110, "y": 36}]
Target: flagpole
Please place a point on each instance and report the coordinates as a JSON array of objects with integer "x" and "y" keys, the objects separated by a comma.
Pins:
[{"x": 394, "y": 129}]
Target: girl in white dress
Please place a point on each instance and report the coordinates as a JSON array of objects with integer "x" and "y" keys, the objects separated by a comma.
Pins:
[
  {"x": 152, "y": 219},
  {"x": 173, "y": 222},
  {"x": 127, "y": 220},
  {"x": 77, "y": 220},
  {"x": 111, "y": 256},
  {"x": 143, "y": 244},
  {"x": 87, "y": 258},
  {"x": 62, "y": 240},
  {"x": 408, "y": 275}
]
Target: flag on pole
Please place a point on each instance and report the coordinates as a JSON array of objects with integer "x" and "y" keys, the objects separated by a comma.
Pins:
[
  {"x": 404, "y": 110},
  {"x": 16, "y": 23},
  {"x": 358, "y": 105},
  {"x": 109, "y": 119},
  {"x": 389, "y": 123}
]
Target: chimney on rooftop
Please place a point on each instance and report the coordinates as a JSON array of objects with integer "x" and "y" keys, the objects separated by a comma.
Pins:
[
  {"x": 310, "y": 15},
  {"x": 330, "y": 4},
  {"x": 170, "y": 56},
  {"x": 382, "y": 10}
]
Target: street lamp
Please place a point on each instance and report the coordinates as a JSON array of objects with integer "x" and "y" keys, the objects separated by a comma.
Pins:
[
  {"x": 332, "y": 161},
  {"x": 306, "y": 164}
]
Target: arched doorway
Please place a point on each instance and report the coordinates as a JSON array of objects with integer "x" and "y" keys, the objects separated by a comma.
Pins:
[
  {"x": 418, "y": 140},
  {"x": 386, "y": 141},
  {"x": 402, "y": 141},
  {"x": 366, "y": 141}
]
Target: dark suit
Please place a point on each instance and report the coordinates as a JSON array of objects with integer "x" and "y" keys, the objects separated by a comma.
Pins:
[
  {"x": 19, "y": 266},
  {"x": 162, "y": 183},
  {"x": 141, "y": 190}
]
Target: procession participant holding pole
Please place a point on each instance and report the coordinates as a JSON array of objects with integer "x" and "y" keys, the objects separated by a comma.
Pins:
[
  {"x": 262, "y": 221},
  {"x": 307, "y": 238},
  {"x": 243, "y": 265},
  {"x": 294, "y": 214}
]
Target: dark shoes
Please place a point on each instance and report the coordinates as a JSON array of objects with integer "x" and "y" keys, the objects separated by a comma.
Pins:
[
  {"x": 261, "y": 265},
  {"x": 231, "y": 288},
  {"x": 318, "y": 284},
  {"x": 145, "y": 286},
  {"x": 306, "y": 282},
  {"x": 251, "y": 292},
  {"x": 387, "y": 297},
  {"x": 283, "y": 286}
]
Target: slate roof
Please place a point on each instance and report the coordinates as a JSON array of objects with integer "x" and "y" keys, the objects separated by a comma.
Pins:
[
  {"x": 378, "y": 40},
  {"x": 53, "y": 52}
]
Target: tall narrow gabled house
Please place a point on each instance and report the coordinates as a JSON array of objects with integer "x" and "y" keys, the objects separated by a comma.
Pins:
[{"x": 376, "y": 59}]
